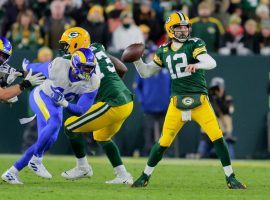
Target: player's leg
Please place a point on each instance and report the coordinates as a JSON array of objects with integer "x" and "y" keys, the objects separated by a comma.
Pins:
[
  {"x": 11, "y": 175},
  {"x": 171, "y": 127},
  {"x": 205, "y": 116},
  {"x": 86, "y": 123},
  {"x": 99, "y": 116},
  {"x": 46, "y": 110},
  {"x": 82, "y": 168},
  {"x": 103, "y": 137}
]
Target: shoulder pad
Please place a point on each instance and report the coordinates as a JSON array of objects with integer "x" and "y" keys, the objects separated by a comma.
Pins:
[
  {"x": 164, "y": 45},
  {"x": 97, "y": 46},
  {"x": 194, "y": 39}
]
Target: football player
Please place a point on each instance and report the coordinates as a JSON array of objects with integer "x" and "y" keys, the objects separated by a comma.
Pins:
[
  {"x": 114, "y": 103},
  {"x": 187, "y": 59},
  {"x": 66, "y": 80},
  {"x": 9, "y": 74}
]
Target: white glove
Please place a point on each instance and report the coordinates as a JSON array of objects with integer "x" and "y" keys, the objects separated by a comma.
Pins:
[
  {"x": 12, "y": 76},
  {"x": 13, "y": 99},
  {"x": 59, "y": 98},
  {"x": 35, "y": 79},
  {"x": 10, "y": 73},
  {"x": 25, "y": 62}
]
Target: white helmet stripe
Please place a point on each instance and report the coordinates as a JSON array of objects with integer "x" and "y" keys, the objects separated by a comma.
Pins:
[{"x": 181, "y": 16}]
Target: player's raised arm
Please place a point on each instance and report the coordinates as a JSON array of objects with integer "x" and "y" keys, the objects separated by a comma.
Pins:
[
  {"x": 36, "y": 67},
  {"x": 133, "y": 53},
  {"x": 29, "y": 81},
  {"x": 146, "y": 69},
  {"x": 120, "y": 67}
]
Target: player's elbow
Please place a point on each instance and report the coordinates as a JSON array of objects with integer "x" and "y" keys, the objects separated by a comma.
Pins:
[
  {"x": 212, "y": 63},
  {"x": 121, "y": 72}
]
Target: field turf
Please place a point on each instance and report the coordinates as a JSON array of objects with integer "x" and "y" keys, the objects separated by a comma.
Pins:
[{"x": 172, "y": 179}]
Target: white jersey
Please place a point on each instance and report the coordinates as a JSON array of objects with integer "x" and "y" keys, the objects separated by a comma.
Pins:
[{"x": 58, "y": 77}]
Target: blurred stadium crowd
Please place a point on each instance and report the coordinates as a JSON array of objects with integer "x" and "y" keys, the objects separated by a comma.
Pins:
[{"x": 229, "y": 27}]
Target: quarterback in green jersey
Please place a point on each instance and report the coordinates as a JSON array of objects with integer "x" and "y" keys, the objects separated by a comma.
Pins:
[
  {"x": 114, "y": 103},
  {"x": 187, "y": 59}
]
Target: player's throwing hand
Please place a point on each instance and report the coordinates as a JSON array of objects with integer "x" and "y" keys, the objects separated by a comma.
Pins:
[{"x": 191, "y": 68}]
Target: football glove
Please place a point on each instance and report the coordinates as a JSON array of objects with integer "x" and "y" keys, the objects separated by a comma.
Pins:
[
  {"x": 9, "y": 74},
  {"x": 31, "y": 80},
  {"x": 58, "y": 97}
]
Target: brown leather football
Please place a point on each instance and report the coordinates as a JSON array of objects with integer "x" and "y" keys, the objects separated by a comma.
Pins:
[{"x": 133, "y": 52}]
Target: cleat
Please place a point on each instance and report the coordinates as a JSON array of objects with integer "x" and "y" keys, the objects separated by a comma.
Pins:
[
  {"x": 142, "y": 181},
  {"x": 78, "y": 172},
  {"x": 39, "y": 169},
  {"x": 125, "y": 179},
  {"x": 11, "y": 178},
  {"x": 233, "y": 183}
]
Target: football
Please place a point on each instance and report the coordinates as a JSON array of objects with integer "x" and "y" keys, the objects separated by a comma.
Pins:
[{"x": 133, "y": 52}]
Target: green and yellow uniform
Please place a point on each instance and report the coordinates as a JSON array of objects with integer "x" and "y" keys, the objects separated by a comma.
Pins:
[
  {"x": 114, "y": 102},
  {"x": 185, "y": 88}
]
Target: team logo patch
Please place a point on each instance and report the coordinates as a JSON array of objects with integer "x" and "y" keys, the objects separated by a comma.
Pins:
[
  {"x": 168, "y": 20},
  {"x": 73, "y": 34},
  {"x": 188, "y": 101}
]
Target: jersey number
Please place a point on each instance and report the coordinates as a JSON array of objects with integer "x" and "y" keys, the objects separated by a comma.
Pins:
[
  {"x": 102, "y": 55},
  {"x": 181, "y": 62}
]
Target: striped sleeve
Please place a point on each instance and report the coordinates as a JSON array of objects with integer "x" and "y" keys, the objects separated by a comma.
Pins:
[
  {"x": 199, "y": 48},
  {"x": 158, "y": 57}
]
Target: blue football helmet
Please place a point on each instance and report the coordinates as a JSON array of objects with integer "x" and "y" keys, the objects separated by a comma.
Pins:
[
  {"x": 83, "y": 63},
  {"x": 5, "y": 50}
]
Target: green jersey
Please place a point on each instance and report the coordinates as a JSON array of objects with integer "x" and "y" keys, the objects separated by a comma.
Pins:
[
  {"x": 112, "y": 90},
  {"x": 183, "y": 82}
]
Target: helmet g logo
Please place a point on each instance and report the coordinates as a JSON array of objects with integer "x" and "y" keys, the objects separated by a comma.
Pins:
[
  {"x": 73, "y": 34},
  {"x": 188, "y": 101},
  {"x": 168, "y": 20}
]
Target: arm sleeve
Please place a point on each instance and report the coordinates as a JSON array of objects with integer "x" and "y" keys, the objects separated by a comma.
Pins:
[
  {"x": 206, "y": 62},
  {"x": 146, "y": 70},
  {"x": 39, "y": 67},
  {"x": 83, "y": 104}
]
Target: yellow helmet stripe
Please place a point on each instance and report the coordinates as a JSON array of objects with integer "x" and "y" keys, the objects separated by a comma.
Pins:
[
  {"x": 82, "y": 56},
  {"x": 1, "y": 45}
]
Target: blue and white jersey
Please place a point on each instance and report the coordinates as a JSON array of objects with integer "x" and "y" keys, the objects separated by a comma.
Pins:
[{"x": 58, "y": 76}]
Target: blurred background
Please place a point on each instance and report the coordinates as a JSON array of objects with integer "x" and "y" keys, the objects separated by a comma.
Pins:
[{"x": 237, "y": 35}]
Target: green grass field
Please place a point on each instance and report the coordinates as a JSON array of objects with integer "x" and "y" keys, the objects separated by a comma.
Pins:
[{"x": 173, "y": 179}]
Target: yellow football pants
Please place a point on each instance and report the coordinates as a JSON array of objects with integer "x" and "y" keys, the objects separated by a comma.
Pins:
[
  {"x": 101, "y": 119},
  {"x": 204, "y": 115}
]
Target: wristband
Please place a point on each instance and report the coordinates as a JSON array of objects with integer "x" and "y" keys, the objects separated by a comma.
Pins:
[{"x": 25, "y": 84}]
